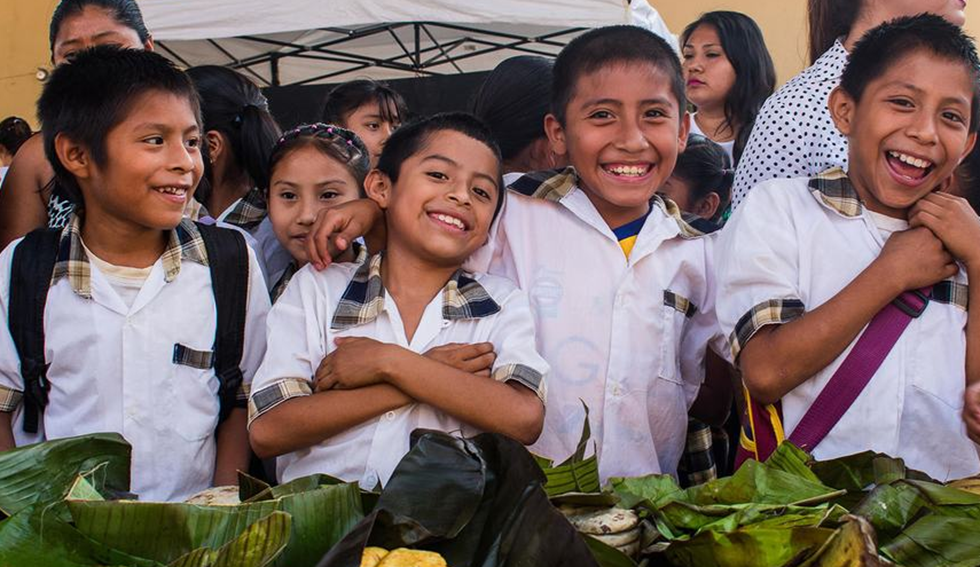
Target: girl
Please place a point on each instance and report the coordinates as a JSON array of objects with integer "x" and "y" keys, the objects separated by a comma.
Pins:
[
  {"x": 14, "y": 132},
  {"x": 313, "y": 167},
  {"x": 702, "y": 179},
  {"x": 513, "y": 101},
  {"x": 794, "y": 135},
  {"x": 370, "y": 109},
  {"x": 729, "y": 74},
  {"x": 30, "y": 199}
]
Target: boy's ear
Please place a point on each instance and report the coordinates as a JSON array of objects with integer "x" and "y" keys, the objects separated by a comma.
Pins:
[
  {"x": 377, "y": 186},
  {"x": 74, "y": 157},
  {"x": 971, "y": 141},
  {"x": 216, "y": 144},
  {"x": 684, "y": 132},
  {"x": 842, "y": 106},
  {"x": 556, "y": 134},
  {"x": 707, "y": 206}
]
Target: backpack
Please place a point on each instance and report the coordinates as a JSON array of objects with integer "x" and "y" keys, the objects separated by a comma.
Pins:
[{"x": 33, "y": 264}]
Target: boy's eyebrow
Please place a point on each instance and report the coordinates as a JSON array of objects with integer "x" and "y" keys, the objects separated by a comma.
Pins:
[
  {"x": 918, "y": 90},
  {"x": 325, "y": 182},
  {"x": 617, "y": 102},
  {"x": 165, "y": 127},
  {"x": 450, "y": 161}
]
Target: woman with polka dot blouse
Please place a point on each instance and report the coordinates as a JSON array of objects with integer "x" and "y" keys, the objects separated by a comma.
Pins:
[{"x": 793, "y": 135}]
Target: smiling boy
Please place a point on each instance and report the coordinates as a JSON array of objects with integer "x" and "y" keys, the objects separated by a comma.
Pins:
[
  {"x": 806, "y": 264},
  {"x": 363, "y": 354}
]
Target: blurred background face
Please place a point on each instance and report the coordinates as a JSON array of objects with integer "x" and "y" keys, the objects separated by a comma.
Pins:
[
  {"x": 953, "y": 10},
  {"x": 708, "y": 73},
  {"x": 93, "y": 26},
  {"x": 369, "y": 124}
]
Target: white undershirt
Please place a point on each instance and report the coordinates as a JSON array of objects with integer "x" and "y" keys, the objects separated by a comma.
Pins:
[
  {"x": 728, "y": 146},
  {"x": 126, "y": 281},
  {"x": 887, "y": 225}
]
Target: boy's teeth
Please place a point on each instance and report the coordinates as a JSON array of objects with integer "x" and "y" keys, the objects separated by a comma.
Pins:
[
  {"x": 172, "y": 190},
  {"x": 452, "y": 220},
  {"x": 913, "y": 161},
  {"x": 632, "y": 170}
]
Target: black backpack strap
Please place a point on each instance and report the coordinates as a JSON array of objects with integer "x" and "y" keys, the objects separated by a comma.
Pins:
[
  {"x": 228, "y": 262},
  {"x": 30, "y": 277}
]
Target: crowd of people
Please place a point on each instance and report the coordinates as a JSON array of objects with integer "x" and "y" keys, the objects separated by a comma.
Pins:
[{"x": 659, "y": 244}]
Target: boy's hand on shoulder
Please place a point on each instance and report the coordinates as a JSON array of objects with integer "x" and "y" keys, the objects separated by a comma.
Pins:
[
  {"x": 915, "y": 258},
  {"x": 953, "y": 221},
  {"x": 335, "y": 228},
  {"x": 476, "y": 358},
  {"x": 971, "y": 412},
  {"x": 355, "y": 363}
]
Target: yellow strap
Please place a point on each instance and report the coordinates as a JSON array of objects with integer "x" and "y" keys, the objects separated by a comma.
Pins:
[{"x": 777, "y": 426}]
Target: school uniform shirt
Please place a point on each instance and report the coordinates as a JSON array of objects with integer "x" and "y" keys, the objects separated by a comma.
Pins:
[
  {"x": 794, "y": 135},
  {"x": 792, "y": 246},
  {"x": 349, "y": 300},
  {"x": 625, "y": 335},
  {"x": 116, "y": 368},
  {"x": 250, "y": 213}
]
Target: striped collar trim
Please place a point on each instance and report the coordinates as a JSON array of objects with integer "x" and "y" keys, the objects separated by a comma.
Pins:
[
  {"x": 364, "y": 299},
  {"x": 835, "y": 190}
]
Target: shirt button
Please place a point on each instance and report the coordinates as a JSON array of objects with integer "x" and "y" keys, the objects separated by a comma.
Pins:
[
  {"x": 390, "y": 416},
  {"x": 617, "y": 391},
  {"x": 446, "y": 323}
]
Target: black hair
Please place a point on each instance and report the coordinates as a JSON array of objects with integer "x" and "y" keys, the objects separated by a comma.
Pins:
[
  {"x": 14, "y": 131},
  {"x": 828, "y": 20},
  {"x": 706, "y": 168},
  {"x": 967, "y": 177},
  {"x": 608, "y": 46},
  {"x": 348, "y": 97},
  {"x": 411, "y": 138},
  {"x": 126, "y": 12},
  {"x": 755, "y": 75},
  {"x": 234, "y": 106},
  {"x": 87, "y": 97},
  {"x": 886, "y": 44},
  {"x": 333, "y": 141},
  {"x": 513, "y": 101}
]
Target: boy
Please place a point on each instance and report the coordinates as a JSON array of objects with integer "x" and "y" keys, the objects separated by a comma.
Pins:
[
  {"x": 129, "y": 318},
  {"x": 621, "y": 291},
  {"x": 805, "y": 265},
  {"x": 345, "y": 381}
]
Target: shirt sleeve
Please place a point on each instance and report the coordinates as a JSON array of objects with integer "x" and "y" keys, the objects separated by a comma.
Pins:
[
  {"x": 514, "y": 343},
  {"x": 294, "y": 345},
  {"x": 255, "y": 320},
  {"x": 11, "y": 381},
  {"x": 757, "y": 266}
]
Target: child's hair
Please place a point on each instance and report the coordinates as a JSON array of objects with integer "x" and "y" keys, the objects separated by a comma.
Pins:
[
  {"x": 881, "y": 47},
  {"x": 706, "y": 168},
  {"x": 829, "y": 20},
  {"x": 14, "y": 131},
  {"x": 411, "y": 138},
  {"x": 610, "y": 46},
  {"x": 967, "y": 176},
  {"x": 513, "y": 101},
  {"x": 348, "y": 97},
  {"x": 333, "y": 141},
  {"x": 126, "y": 12},
  {"x": 89, "y": 96},
  {"x": 234, "y": 106},
  {"x": 755, "y": 75}
]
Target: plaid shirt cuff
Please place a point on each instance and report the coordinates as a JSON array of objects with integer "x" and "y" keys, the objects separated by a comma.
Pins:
[
  {"x": 10, "y": 399},
  {"x": 697, "y": 465},
  {"x": 241, "y": 398},
  {"x": 680, "y": 303},
  {"x": 271, "y": 396},
  {"x": 772, "y": 312},
  {"x": 523, "y": 375}
]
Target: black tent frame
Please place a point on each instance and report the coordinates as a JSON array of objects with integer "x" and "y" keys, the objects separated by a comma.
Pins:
[{"x": 415, "y": 59}]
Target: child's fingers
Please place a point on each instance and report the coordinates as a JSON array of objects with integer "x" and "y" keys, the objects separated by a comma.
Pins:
[
  {"x": 483, "y": 373},
  {"x": 483, "y": 361},
  {"x": 475, "y": 350}
]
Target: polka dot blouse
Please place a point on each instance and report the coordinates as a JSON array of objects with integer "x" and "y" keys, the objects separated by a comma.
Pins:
[{"x": 794, "y": 135}]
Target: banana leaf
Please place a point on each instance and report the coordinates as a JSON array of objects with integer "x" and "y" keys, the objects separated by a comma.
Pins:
[
  {"x": 791, "y": 459},
  {"x": 853, "y": 545},
  {"x": 756, "y": 483},
  {"x": 862, "y": 471},
  {"x": 937, "y": 541},
  {"x": 891, "y": 507},
  {"x": 691, "y": 519},
  {"x": 748, "y": 547},
  {"x": 43, "y": 473},
  {"x": 971, "y": 484},
  {"x": 650, "y": 492},
  {"x": 257, "y": 546},
  {"x": 479, "y": 502},
  {"x": 577, "y": 473},
  {"x": 164, "y": 532}
]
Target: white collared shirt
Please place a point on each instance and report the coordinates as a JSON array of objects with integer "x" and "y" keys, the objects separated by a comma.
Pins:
[
  {"x": 790, "y": 248},
  {"x": 112, "y": 369},
  {"x": 319, "y": 307},
  {"x": 626, "y": 336}
]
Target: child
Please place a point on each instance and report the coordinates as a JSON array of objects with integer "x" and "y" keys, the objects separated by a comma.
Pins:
[
  {"x": 702, "y": 181},
  {"x": 621, "y": 291},
  {"x": 345, "y": 381},
  {"x": 370, "y": 109},
  {"x": 129, "y": 318},
  {"x": 729, "y": 74},
  {"x": 805, "y": 265},
  {"x": 312, "y": 167}
]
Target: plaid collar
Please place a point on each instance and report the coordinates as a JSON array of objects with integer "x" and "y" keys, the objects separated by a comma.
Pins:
[
  {"x": 835, "y": 190},
  {"x": 364, "y": 299},
  {"x": 73, "y": 263},
  {"x": 360, "y": 253},
  {"x": 248, "y": 211}
]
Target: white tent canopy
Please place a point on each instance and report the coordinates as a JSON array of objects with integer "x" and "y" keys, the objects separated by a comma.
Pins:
[{"x": 316, "y": 41}]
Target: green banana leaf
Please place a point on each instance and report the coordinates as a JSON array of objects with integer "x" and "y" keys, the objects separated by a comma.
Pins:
[
  {"x": 756, "y": 483},
  {"x": 166, "y": 531},
  {"x": 891, "y": 507},
  {"x": 853, "y": 545},
  {"x": 748, "y": 547},
  {"x": 937, "y": 541},
  {"x": 578, "y": 473},
  {"x": 257, "y": 546},
  {"x": 651, "y": 492},
  {"x": 43, "y": 473}
]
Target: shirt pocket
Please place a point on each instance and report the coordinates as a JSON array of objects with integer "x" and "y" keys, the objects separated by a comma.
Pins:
[
  {"x": 675, "y": 313},
  {"x": 193, "y": 393}
]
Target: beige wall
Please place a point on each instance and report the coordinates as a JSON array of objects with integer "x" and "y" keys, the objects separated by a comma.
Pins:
[{"x": 24, "y": 44}]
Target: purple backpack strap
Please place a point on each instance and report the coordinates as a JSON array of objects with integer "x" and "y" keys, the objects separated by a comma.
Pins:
[{"x": 857, "y": 369}]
